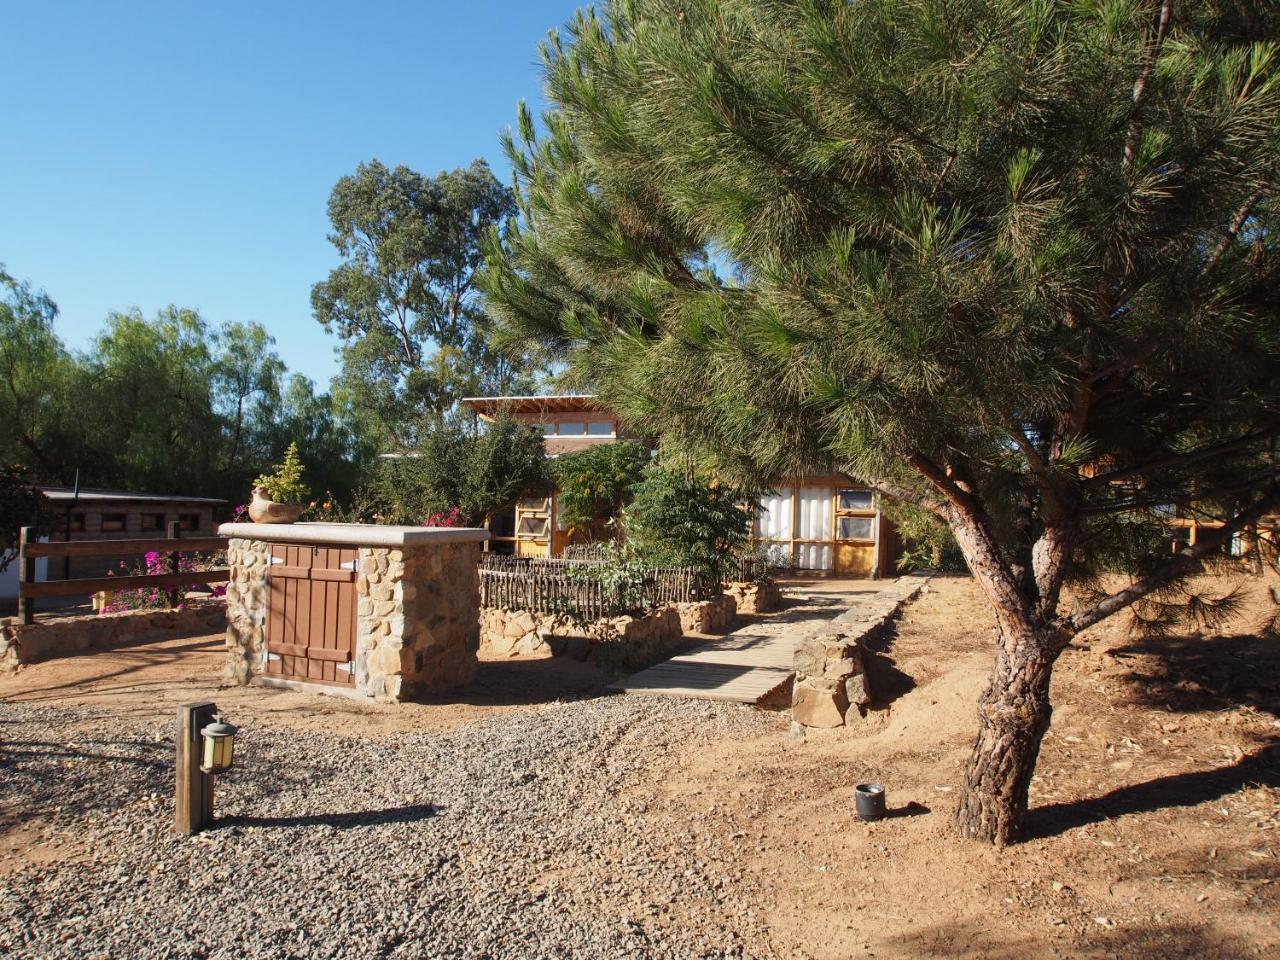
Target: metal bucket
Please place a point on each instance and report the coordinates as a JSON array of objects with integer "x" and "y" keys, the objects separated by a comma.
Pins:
[{"x": 869, "y": 800}]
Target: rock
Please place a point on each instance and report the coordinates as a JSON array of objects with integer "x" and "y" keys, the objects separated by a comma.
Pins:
[
  {"x": 815, "y": 707},
  {"x": 856, "y": 691},
  {"x": 809, "y": 659}
]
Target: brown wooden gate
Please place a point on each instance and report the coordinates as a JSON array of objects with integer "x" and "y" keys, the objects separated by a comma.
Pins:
[{"x": 311, "y": 614}]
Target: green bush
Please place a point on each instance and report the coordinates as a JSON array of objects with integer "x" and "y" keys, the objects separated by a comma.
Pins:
[
  {"x": 682, "y": 521},
  {"x": 595, "y": 484},
  {"x": 927, "y": 542}
]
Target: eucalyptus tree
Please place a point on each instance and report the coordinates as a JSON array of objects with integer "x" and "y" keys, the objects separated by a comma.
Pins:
[
  {"x": 1012, "y": 262},
  {"x": 402, "y": 301}
]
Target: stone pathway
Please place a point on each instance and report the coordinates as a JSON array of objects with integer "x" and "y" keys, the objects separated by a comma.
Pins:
[{"x": 750, "y": 663}]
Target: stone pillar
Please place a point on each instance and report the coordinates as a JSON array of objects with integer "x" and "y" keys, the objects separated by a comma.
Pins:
[
  {"x": 830, "y": 679},
  {"x": 246, "y": 610},
  {"x": 418, "y": 625}
]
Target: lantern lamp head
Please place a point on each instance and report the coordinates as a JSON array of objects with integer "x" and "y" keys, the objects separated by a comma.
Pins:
[{"x": 219, "y": 746}]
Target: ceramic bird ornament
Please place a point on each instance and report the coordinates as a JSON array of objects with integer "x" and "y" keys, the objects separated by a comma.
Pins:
[{"x": 262, "y": 509}]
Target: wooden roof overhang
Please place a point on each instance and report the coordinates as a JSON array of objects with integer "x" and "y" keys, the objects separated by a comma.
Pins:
[{"x": 490, "y": 408}]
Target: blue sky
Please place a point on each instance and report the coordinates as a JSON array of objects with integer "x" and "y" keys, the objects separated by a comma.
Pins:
[{"x": 159, "y": 153}]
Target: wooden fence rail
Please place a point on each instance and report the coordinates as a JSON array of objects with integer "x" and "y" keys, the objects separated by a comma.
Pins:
[{"x": 29, "y": 589}]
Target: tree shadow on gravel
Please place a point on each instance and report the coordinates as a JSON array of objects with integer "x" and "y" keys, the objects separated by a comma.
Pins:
[
  {"x": 69, "y": 781},
  {"x": 1156, "y": 942},
  {"x": 1195, "y": 674},
  {"x": 1178, "y": 790},
  {"x": 527, "y": 682},
  {"x": 412, "y": 813}
]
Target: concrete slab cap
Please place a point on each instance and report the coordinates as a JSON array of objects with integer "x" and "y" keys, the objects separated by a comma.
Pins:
[{"x": 352, "y": 534}]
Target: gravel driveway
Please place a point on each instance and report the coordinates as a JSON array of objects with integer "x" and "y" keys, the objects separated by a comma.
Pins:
[{"x": 535, "y": 834}]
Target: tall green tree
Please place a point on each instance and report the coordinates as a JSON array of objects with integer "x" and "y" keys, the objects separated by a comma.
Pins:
[
  {"x": 403, "y": 302},
  {"x": 1015, "y": 263},
  {"x": 41, "y": 398},
  {"x": 478, "y": 469},
  {"x": 168, "y": 403}
]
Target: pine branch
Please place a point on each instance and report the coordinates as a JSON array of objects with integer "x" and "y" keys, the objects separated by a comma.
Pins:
[
  {"x": 1235, "y": 445},
  {"x": 1140, "y": 88},
  {"x": 1233, "y": 231},
  {"x": 1183, "y": 564}
]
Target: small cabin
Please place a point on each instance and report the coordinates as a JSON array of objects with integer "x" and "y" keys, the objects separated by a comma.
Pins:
[
  {"x": 821, "y": 523},
  {"x": 93, "y": 514}
]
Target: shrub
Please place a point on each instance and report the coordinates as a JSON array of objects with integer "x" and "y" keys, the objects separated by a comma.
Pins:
[
  {"x": 157, "y": 598},
  {"x": 682, "y": 521},
  {"x": 595, "y": 484},
  {"x": 285, "y": 485}
]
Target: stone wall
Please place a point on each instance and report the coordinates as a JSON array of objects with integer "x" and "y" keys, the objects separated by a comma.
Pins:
[
  {"x": 51, "y": 637},
  {"x": 831, "y": 677},
  {"x": 614, "y": 643},
  {"x": 246, "y": 609},
  {"x": 417, "y": 621},
  {"x": 708, "y": 616},
  {"x": 417, "y": 626},
  {"x": 762, "y": 596}
]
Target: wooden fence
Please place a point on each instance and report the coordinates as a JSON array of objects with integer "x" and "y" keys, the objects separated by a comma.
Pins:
[
  {"x": 574, "y": 587},
  {"x": 733, "y": 569},
  {"x": 745, "y": 569},
  {"x": 587, "y": 551},
  {"x": 29, "y": 549}
]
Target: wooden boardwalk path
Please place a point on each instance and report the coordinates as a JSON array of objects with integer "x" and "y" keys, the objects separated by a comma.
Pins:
[{"x": 745, "y": 666}]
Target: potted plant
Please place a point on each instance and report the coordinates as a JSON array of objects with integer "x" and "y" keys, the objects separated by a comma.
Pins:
[{"x": 280, "y": 497}]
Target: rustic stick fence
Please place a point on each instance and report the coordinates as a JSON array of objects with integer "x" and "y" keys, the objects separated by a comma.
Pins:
[
  {"x": 574, "y": 587},
  {"x": 587, "y": 551},
  {"x": 735, "y": 569},
  {"x": 745, "y": 569},
  {"x": 30, "y": 549}
]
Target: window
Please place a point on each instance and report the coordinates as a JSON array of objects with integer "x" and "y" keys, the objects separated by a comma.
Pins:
[
  {"x": 572, "y": 428},
  {"x": 547, "y": 429},
  {"x": 856, "y": 500},
  {"x": 113, "y": 522},
  {"x": 533, "y": 527},
  {"x": 528, "y": 504},
  {"x": 856, "y": 528},
  {"x": 77, "y": 523},
  {"x": 600, "y": 428},
  {"x": 152, "y": 521},
  {"x": 188, "y": 521}
]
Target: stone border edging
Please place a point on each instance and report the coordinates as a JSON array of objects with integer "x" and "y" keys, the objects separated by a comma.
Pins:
[
  {"x": 52, "y": 636},
  {"x": 830, "y": 663}
]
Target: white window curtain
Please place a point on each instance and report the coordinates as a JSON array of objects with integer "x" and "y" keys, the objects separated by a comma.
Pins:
[
  {"x": 773, "y": 521},
  {"x": 815, "y": 524}
]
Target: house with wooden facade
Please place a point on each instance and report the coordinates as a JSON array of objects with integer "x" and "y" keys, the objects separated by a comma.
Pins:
[{"x": 822, "y": 523}]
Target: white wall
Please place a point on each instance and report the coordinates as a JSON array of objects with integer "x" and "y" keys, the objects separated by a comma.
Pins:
[{"x": 9, "y": 577}]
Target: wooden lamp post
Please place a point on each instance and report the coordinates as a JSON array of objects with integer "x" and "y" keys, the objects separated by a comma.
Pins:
[{"x": 205, "y": 748}]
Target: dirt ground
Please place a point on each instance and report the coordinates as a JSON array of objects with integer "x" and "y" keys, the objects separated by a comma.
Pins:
[
  {"x": 148, "y": 681},
  {"x": 1155, "y": 807}
]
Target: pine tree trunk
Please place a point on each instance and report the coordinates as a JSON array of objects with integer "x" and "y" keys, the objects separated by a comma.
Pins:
[{"x": 1013, "y": 717}]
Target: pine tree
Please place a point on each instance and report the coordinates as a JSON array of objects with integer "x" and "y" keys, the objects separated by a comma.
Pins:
[{"x": 1013, "y": 262}]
